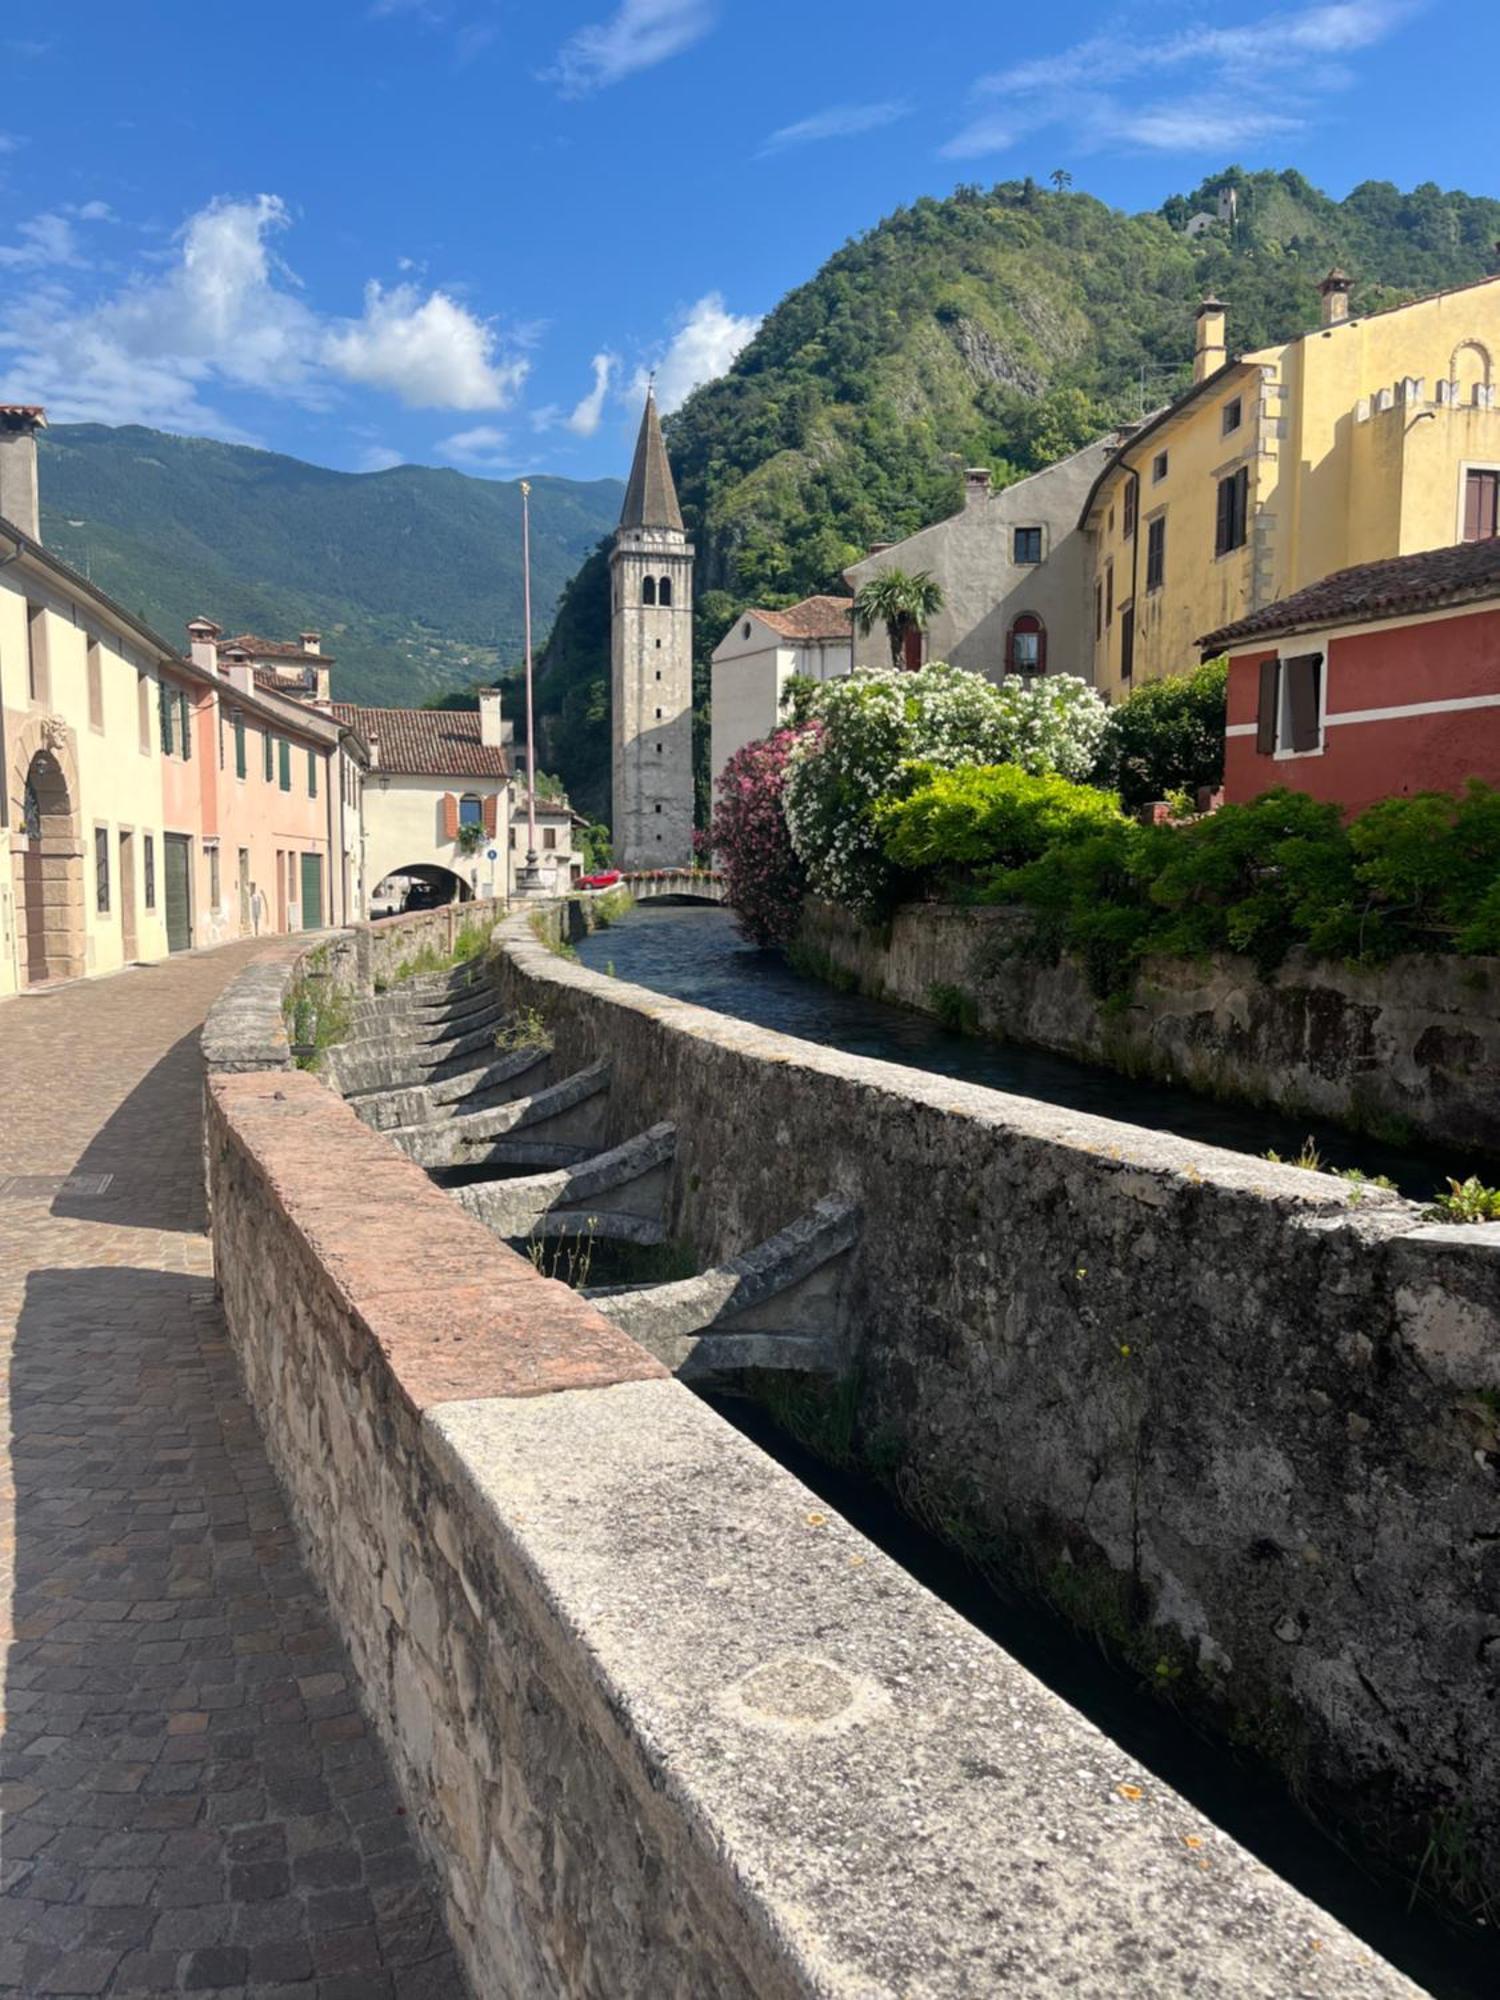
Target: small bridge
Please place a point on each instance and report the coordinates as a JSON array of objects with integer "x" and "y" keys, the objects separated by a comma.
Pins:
[{"x": 690, "y": 885}]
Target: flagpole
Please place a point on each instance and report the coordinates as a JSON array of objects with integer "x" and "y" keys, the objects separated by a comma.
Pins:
[{"x": 530, "y": 876}]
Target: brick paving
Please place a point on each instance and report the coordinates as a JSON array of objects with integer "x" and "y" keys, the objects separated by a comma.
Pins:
[{"x": 189, "y": 1799}]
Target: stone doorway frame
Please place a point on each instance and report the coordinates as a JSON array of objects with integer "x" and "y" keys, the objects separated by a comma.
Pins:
[{"x": 53, "y": 862}]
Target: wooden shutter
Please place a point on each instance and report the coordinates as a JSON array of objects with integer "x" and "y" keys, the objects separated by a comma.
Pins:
[
  {"x": 1127, "y": 642},
  {"x": 1265, "y": 714},
  {"x": 1303, "y": 674},
  {"x": 450, "y": 816},
  {"x": 1226, "y": 510},
  {"x": 1481, "y": 506},
  {"x": 490, "y": 810}
]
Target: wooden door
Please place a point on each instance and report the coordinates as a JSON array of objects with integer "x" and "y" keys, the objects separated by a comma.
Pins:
[
  {"x": 127, "y": 895},
  {"x": 312, "y": 892},
  {"x": 177, "y": 859}
]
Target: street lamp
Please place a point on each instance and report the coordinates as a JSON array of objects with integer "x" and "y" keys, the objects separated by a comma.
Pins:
[{"x": 529, "y": 878}]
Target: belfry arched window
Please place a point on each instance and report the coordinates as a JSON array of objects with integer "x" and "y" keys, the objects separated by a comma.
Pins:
[
  {"x": 664, "y": 591},
  {"x": 1026, "y": 649},
  {"x": 32, "y": 811},
  {"x": 648, "y": 591}
]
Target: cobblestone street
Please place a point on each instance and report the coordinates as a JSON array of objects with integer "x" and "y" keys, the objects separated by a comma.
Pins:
[{"x": 191, "y": 1801}]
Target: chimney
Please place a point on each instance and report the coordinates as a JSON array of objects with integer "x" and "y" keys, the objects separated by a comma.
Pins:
[
  {"x": 322, "y": 686},
  {"x": 20, "y": 500},
  {"x": 489, "y": 718},
  {"x": 202, "y": 635},
  {"x": 372, "y": 744},
  {"x": 1334, "y": 292},
  {"x": 976, "y": 485},
  {"x": 311, "y": 641},
  {"x": 1209, "y": 352}
]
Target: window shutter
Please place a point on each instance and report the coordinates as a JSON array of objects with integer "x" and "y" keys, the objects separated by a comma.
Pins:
[
  {"x": 450, "y": 816},
  {"x": 1265, "y": 714},
  {"x": 490, "y": 811},
  {"x": 1303, "y": 674},
  {"x": 1127, "y": 642}
]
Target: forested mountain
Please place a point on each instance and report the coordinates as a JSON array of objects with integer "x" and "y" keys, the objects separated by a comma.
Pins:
[
  {"x": 413, "y": 576},
  {"x": 1002, "y": 327}
]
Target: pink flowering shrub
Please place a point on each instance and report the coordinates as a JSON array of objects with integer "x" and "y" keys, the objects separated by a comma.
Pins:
[{"x": 765, "y": 880}]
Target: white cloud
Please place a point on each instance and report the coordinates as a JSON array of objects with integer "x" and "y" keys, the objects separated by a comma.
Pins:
[
  {"x": 45, "y": 239},
  {"x": 1249, "y": 82},
  {"x": 379, "y": 458},
  {"x": 839, "y": 121},
  {"x": 486, "y": 448},
  {"x": 707, "y": 339},
  {"x": 637, "y": 36},
  {"x": 227, "y": 313},
  {"x": 586, "y": 414},
  {"x": 9, "y": 143},
  {"x": 432, "y": 352}
]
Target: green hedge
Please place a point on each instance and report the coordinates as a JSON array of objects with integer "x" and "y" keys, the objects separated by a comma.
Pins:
[{"x": 988, "y": 815}]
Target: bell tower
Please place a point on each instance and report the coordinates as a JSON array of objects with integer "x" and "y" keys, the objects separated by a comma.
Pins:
[{"x": 651, "y": 664}]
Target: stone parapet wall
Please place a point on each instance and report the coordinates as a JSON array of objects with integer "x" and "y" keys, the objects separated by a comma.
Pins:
[
  {"x": 391, "y": 941},
  {"x": 667, "y": 1725},
  {"x": 1405, "y": 1050},
  {"x": 1240, "y": 1416}
]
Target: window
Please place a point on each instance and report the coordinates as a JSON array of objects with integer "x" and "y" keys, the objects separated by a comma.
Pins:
[
  {"x": 1159, "y": 468},
  {"x": 512, "y": 836},
  {"x": 1026, "y": 545},
  {"x": 648, "y": 591},
  {"x": 658, "y": 749},
  {"x": 185, "y": 718},
  {"x": 1156, "y": 552},
  {"x": 95, "y": 668},
  {"x": 1233, "y": 412},
  {"x": 37, "y": 680},
  {"x": 213, "y": 878},
  {"x": 470, "y": 810},
  {"x": 143, "y": 711},
  {"x": 656, "y": 809},
  {"x": 1127, "y": 525},
  {"x": 1127, "y": 642},
  {"x": 268, "y": 748},
  {"x": 1481, "y": 506},
  {"x": 1098, "y": 612},
  {"x": 745, "y": 629},
  {"x": 549, "y": 837},
  {"x": 101, "y": 870},
  {"x": 239, "y": 745},
  {"x": 1109, "y": 596},
  {"x": 1234, "y": 492},
  {"x": 219, "y": 716},
  {"x": 1289, "y": 718},
  {"x": 664, "y": 591},
  {"x": 1026, "y": 651},
  {"x": 167, "y": 707},
  {"x": 658, "y": 648},
  {"x": 150, "y": 882},
  {"x": 312, "y": 774},
  {"x": 283, "y": 764}
]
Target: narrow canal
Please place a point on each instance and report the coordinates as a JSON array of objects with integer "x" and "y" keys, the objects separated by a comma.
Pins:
[{"x": 695, "y": 954}]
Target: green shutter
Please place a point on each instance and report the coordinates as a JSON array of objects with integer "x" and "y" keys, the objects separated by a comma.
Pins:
[
  {"x": 239, "y": 746},
  {"x": 312, "y": 774},
  {"x": 187, "y": 727},
  {"x": 164, "y": 700},
  {"x": 270, "y": 755},
  {"x": 284, "y": 763}
]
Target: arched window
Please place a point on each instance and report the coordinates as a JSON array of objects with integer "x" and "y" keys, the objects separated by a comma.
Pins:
[
  {"x": 648, "y": 591},
  {"x": 1470, "y": 369},
  {"x": 664, "y": 594},
  {"x": 1026, "y": 649}
]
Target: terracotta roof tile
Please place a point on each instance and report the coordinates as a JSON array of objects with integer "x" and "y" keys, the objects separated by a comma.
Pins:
[
  {"x": 1425, "y": 582},
  {"x": 425, "y": 742},
  {"x": 273, "y": 649},
  {"x": 813, "y": 618}
]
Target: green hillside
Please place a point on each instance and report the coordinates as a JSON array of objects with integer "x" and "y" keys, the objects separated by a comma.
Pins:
[
  {"x": 412, "y": 576},
  {"x": 1001, "y": 327}
]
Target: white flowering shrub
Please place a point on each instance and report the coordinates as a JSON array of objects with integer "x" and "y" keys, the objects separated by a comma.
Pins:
[{"x": 874, "y": 726}]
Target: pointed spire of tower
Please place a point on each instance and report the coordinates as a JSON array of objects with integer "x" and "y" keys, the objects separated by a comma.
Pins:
[{"x": 651, "y": 497}]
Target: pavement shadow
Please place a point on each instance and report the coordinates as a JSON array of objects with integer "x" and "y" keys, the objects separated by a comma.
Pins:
[{"x": 151, "y": 1146}]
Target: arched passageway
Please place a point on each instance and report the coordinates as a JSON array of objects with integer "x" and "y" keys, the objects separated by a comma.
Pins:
[
  {"x": 423, "y": 885},
  {"x": 49, "y": 874}
]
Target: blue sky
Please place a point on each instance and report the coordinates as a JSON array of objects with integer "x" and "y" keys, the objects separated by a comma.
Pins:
[{"x": 458, "y": 231}]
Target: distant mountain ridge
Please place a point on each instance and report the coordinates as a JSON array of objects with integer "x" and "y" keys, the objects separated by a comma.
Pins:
[{"x": 413, "y": 576}]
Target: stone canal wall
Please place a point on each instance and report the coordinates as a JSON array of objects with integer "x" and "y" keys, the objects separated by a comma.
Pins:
[
  {"x": 1410, "y": 1049},
  {"x": 1240, "y": 1418},
  {"x": 667, "y": 1725}
]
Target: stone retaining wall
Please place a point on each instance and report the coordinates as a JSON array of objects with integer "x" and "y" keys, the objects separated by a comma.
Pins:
[
  {"x": 668, "y": 1726},
  {"x": 385, "y": 946},
  {"x": 1243, "y": 1419},
  {"x": 1411, "y": 1049}
]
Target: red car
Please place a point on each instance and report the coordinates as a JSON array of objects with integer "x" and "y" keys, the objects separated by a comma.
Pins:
[{"x": 605, "y": 881}]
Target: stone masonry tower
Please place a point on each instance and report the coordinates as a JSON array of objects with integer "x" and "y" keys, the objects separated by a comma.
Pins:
[{"x": 651, "y": 664}]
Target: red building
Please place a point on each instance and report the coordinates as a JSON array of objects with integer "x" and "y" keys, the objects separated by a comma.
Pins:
[{"x": 1380, "y": 680}]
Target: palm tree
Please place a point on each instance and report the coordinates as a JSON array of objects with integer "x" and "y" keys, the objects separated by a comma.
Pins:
[
  {"x": 901, "y": 603},
  {"x": 1061, "y": 179}
]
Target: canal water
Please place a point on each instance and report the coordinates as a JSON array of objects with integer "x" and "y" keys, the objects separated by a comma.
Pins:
[{"x": 695, "y": 953}]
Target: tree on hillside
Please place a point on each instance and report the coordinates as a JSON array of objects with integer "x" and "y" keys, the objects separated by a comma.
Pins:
[
  {"x": 902, "y": 603},
  {"x": 1061, "y": 179}
]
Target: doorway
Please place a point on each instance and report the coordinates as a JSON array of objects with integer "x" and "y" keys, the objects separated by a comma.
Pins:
[
  {"x": 177, "y": 857},
  {"x": 50, "y": 919},
  {"x": 127, "y": 895},
  {"x": 312, "y": 892}
]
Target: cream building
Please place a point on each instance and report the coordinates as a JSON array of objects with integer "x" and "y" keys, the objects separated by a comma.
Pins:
[
  {"x": 1013, "y": 566},
  {"x": 759, "y": 654}
]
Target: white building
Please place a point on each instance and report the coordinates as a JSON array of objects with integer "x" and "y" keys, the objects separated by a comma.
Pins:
[
  {"x": 756, "y": 658},
  {"x": 1014, "y": 569},
  {"x": 558, "y": 857}
]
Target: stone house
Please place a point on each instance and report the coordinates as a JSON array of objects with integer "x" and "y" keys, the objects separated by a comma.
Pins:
[{"x": 756, "y": 658}]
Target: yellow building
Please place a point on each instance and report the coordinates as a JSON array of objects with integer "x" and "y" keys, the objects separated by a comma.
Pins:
[
  {"x": 80, "y": 759},
  {"x": 1362, "y": 439}
]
